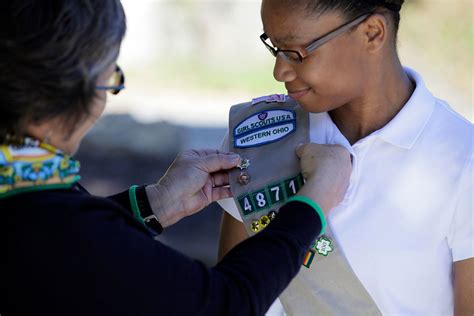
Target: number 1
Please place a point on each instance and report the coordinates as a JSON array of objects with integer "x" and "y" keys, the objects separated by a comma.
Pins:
[{"x": 292, "y": 186}]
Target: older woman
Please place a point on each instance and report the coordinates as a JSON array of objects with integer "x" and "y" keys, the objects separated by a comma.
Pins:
[{"x": 67, "y": 252}]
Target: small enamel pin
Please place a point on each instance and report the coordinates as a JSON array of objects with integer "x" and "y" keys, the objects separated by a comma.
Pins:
[
  {"x": 244, "y": 164},
  {"x": 255, "y": 226},
  {"x": 271, "y": 215},
  {"x": 324, "y": 246},
  {"x": 264, "y": 221}
]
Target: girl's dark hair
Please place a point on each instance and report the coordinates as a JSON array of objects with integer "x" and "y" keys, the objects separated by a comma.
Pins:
[
  {"x": 51, "y": 54},
  {"x": 354, "y": 8}
]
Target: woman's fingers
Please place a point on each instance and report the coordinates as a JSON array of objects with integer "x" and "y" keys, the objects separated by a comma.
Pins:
[
  {"x": 300, "y": 150},
  {"x": 217, "y": 162},
  {"x": 219, "y": 193},
  {"x": 220, "y": 179}
]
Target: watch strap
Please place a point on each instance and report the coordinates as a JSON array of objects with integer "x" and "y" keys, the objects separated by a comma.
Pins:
[{"x": 142, "y": 209}]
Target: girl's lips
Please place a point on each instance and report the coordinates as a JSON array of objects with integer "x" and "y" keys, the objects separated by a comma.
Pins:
[{"x": 298, "y": 94}]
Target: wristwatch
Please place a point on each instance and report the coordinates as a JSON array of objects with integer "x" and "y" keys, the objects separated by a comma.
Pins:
[{"x": 145, "y": 211}]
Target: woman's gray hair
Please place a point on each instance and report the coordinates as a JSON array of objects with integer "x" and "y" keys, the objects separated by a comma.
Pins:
[{"x": 51, "y": 55}]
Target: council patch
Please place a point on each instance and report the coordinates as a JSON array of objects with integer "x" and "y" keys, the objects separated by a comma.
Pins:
[
  {"x": 264, "y": 128},
  {"x": 264, "y": 136}
]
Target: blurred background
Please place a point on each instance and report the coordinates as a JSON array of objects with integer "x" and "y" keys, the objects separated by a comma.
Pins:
[{"x": 187, "y": 61}]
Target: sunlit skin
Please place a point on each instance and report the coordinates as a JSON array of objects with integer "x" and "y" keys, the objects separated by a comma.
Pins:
[
  {"x": 53, "y": 131},
  {"x": 357, "y": 76}
]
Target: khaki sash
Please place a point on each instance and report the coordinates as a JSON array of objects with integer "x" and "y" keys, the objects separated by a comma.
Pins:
[
  {"x": 258, "y": 133},
  {"x": 328, "y": 286},
  {"x": 266, "y": 132}
]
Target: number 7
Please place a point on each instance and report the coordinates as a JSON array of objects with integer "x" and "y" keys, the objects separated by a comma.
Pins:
[{"x": 277, "y": 192}]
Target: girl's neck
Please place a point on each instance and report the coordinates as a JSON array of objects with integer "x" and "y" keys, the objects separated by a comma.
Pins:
[{"x": 385, "y": 95}]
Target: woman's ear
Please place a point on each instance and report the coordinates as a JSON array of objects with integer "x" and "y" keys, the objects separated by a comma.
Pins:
[{"x": 376, "y": 32}]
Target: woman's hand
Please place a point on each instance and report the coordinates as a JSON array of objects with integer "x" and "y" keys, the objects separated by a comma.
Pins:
[
  {"x": 327, "y": 170},
  {"x": 194, "y": 180}
]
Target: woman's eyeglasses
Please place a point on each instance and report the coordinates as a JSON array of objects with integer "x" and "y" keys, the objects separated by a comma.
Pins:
[
  {"x": 295, "y": 57},
  {"x": 116, "y": 82}
]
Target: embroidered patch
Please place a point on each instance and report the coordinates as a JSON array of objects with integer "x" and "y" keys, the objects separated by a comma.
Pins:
[
  {"x": 265, "y": 136},
  {"x": 265, "y": 198},
  {"x": 264, "y": 120},
  {"x": 324, "y": 246},
  {"x": 246, "y": 204},
  {"x": 260, "y": 200},
  {"x": 308, "y": 259},
  {"x": 264, "y": 128},
  {"x": 278, "y": 98}
]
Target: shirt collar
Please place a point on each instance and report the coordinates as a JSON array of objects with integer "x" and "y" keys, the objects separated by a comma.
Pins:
[{"x": 405, "y": 128}]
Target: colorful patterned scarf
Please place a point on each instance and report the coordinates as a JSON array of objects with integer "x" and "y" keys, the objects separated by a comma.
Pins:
[{"x": 34, "y": 166}]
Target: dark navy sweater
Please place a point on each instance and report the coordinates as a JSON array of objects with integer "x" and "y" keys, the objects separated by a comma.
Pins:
[{"x": 66, "y": 252}]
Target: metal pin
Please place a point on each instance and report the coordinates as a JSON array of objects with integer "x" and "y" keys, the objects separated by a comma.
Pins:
[
  {"x": 264, "y": 221},
  {"x": 255, "y": 226},
  {"x": 244, "y": 164},
  {"x": 271, "y": 215},
  {"x": 244, "y": 178}
]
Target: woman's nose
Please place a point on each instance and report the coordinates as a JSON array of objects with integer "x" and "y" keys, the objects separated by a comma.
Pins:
[{"x": 283, "y": 71}]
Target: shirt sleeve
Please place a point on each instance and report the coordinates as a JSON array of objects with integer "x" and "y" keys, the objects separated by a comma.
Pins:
[
  {"x": 229, "y": 204},
  {"x": 123, "y": 199},
  {"x": 98, "y": 262},
  {"x": 461, "y": 236}
]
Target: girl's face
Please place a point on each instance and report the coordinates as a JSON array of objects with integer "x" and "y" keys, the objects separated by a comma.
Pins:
[{"x": 331, "y": 76}]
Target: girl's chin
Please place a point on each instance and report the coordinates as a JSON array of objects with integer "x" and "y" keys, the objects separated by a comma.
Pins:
[{"x": 314, "y": 105}]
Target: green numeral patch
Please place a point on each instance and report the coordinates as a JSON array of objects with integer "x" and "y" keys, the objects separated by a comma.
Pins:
[
  {"x": 260, "y": 200},
  {"x": 267, "y": 197},
  {"x": 246, "y": 205},
  {"x": 292, "y": 186},
  {"x": 276, "y": 193}
]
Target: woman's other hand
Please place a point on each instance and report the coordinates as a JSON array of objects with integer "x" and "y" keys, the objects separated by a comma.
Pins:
[
  {"x": 194, "y": 180},
  {"x": 327, "y": 170}
]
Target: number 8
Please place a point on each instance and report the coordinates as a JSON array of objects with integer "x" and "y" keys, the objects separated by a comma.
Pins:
[{"x": 261, "y": 200}]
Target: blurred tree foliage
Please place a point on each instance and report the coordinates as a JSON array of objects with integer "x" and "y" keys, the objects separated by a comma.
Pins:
[
  {"x": 440, "y": 33},
  {"x": 433, "y": 32}
]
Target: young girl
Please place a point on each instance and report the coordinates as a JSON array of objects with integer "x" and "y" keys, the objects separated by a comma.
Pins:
[{"x": 406, "y": 224}]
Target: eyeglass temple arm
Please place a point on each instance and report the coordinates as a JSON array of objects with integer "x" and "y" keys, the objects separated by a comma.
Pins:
[
  {"x": 336, "y": 33},
  {"x": 120, "y": 87}
]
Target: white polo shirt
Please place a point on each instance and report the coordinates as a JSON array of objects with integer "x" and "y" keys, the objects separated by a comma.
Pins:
[{"x": 408, "y": 212}]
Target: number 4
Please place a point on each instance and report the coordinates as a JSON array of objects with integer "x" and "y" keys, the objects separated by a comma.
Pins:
[{"x": 247, "y": 206}]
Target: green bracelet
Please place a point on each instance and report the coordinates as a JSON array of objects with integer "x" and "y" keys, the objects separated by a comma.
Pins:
[
  {"x": 133, "y": 201},
  {"x": 315, "y": 206}
]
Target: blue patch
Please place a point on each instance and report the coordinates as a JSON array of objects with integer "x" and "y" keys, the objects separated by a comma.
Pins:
[
  {"x": 264, "y": 127},
  {"x": 264, "y": 119},
  {"x": 265, "y": 135}
]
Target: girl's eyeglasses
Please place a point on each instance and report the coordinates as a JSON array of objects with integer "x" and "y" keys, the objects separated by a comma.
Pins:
[{"x": 295, "y": 57}]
